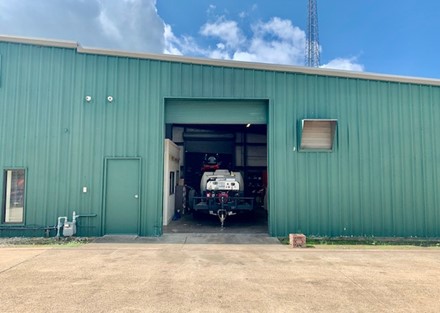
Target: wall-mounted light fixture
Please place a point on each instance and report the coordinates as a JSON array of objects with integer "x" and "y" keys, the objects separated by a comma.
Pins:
[
  {"x": 110, "y": 99},
  {"x": 88, "y": 98}
]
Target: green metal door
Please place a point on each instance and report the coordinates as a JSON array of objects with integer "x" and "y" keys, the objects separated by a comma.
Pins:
[{"x": 122, "y": 186}]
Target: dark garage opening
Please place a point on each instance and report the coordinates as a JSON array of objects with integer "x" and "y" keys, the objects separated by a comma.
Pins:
[{"x": 236, "y": 147}]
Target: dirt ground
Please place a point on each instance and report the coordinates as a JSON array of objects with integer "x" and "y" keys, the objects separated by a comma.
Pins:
[{"x": 190, "y": 276}]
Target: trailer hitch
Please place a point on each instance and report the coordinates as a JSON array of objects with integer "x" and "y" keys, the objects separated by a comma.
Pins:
[{"x": 222, "y": 214}]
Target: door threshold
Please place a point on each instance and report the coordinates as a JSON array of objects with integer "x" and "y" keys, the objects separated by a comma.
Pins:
[{"x": 122, "y": 236}]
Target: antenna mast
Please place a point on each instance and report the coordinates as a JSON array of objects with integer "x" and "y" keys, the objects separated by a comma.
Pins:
[{"x": 312, "y": 58}]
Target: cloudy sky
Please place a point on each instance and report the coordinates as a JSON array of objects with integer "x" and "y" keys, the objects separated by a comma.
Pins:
[{"x": 382, "y": 36}]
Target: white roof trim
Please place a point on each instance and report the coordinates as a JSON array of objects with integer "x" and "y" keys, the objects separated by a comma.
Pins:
[
  {"x": 40, "y": 42},
  {"x": 223, "y": 63}
]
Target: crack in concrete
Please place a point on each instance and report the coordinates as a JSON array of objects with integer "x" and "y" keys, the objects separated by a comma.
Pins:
[{"x": 22, "y": 262}]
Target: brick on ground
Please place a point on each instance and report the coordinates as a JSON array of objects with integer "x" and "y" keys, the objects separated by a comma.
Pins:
[{"x": 297, "y": 240}]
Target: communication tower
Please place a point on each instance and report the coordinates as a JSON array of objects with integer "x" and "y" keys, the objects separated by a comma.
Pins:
[{"x": 312, "y": 57}]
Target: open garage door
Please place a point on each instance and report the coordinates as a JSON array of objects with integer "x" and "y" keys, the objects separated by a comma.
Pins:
[
  {"x": 215, "y": 111},
  {"x": 234, "y": 132}
]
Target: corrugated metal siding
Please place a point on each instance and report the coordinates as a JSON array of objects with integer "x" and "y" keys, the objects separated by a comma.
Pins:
[
  {"x": 48, "y": 127},
  {"x": 382, "y": 178},
  {"x": 382, "y": 175}
]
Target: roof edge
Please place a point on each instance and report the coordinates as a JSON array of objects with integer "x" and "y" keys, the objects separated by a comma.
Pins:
[
  {"x": 223, "y": 63},
  {"x": 264, "y": 66},
  {"x": 40, "y": 41}
]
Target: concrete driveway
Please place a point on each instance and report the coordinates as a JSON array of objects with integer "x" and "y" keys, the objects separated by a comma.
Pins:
[{"x": 180, "y": 274}]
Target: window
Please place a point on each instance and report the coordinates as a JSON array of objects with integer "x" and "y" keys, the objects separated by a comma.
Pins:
[
  {"x": 172, "y": 183},
  {"x": 13, "y": 209},
  {"x": 317, "y": 134}
]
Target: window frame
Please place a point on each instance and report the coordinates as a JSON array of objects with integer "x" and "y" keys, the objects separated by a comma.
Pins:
[
  {"x": 301, "y": 124},
  {"x": 4, "y": 196}
]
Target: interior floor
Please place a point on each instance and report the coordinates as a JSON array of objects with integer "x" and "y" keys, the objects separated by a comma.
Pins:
[{"x": 253, "y": 222}]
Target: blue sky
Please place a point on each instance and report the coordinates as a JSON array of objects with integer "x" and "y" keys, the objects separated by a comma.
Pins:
[{"x": 380, "y": 36}]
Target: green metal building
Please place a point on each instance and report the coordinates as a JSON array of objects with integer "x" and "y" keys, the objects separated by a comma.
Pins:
[{"x": 348, "y": 154}]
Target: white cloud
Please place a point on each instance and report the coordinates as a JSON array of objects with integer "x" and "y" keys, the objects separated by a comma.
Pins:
[
  {"x": 115, "y": 24},
  {"x": 350, "y": 64},
  {"x": 171, "y": 42},
  {"x": 282, "y": 29},
  {"x": 225, "y": 30},
  {"x": 275, "y": 41},
  {"x": 219, "y": 54},
  {"x": 211, "y": 8},
  {"x": 184, "y": 45},
  {"x": 134, "y": 25}
]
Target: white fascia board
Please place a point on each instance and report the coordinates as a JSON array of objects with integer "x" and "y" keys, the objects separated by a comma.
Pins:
[{"x": 225, "y": 63}]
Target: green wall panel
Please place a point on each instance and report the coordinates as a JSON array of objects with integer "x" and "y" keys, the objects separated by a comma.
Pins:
[{"x": 382, "y": 178}]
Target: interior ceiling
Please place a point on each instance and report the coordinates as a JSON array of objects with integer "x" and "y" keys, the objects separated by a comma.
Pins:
[{"x": 227, "y": 128}]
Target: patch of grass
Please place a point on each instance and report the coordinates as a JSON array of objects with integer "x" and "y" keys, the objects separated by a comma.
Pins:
[
  {"x": 366, "y": 241},
  {"x": 284, "y": 240},
  {"x": 42, "y": 241}
]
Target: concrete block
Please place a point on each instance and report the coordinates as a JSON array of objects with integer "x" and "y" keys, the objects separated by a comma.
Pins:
[{"x": 297, "y": 240}]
